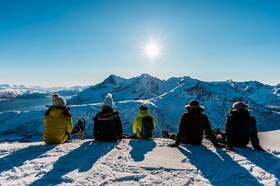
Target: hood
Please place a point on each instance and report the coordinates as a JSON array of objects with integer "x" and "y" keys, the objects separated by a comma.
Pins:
[
  {"x": 56, "y": 111},
  {"x": 239, "y": 114},
  {"x": 144, "y": 113}
]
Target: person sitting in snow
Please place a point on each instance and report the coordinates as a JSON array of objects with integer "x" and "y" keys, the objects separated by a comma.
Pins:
[
  {"x": 191, "y": 127},
  {"x": 144, "y": 123},
  {"x": 107, "y": 123},
  {"x": 241, "y": 127},
  {"x": 57, "y": 121}
]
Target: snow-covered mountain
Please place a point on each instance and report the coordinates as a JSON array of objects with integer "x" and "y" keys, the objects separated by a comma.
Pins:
[
  {"x": 166, "y": 99},
  {"x": 136, "y": 88},
  {"x": 266, "y": 95},
  {"x": 31, "y": 88},
  {"x": 170, "y": 96},
  {"x": 148, "y": 87},
  {"x": 10, "y": 92}
]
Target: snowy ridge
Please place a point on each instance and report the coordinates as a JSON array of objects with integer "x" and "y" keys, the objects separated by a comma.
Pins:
[{"x": 10, "y": 92}]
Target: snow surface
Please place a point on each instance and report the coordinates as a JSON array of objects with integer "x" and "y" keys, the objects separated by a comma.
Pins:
[{"x": 138, "y": 162}]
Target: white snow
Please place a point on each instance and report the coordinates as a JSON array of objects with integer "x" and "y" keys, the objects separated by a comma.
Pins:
[{"x": 138, "y": 162}]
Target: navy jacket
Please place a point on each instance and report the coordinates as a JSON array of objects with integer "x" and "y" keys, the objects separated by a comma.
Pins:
[
  {"x": 240, "y": 128},
  {"x": 191, "y": 127}
]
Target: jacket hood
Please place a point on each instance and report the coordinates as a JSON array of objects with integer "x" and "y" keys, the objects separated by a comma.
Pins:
[
  {"x": 144, "y": 113},
  {"x": 239, "y": 114},
  {"x": 108, "y": 115},
  {"x": 195, "y": 111},
  {"x": 56, "y": 111}
]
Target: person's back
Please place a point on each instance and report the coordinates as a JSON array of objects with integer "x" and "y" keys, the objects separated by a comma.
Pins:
[
  {"x": 57, "y": 123},
  {"x": 107, "y": 123},
  {"x": 144, "y": 123},
  {"x": 241, "y": 127},
  {"x": 192, "y": 125}
]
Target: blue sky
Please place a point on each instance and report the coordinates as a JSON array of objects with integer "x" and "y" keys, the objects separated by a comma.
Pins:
[{"x": 65, "y": 43}]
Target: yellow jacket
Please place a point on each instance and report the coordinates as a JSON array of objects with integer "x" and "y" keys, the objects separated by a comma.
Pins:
[
  {"x": 56, "y": 126},
  {"x": 138, "y": 124}
]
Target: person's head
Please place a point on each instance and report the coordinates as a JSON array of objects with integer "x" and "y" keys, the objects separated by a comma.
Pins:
[
  {"x": 194, "y": 106},
  {"x": 58, "y": 101},
  {"x": 108, "y": 101},
  {"x": 239, "y": 106},
  {"x": 143, "y": 106}
]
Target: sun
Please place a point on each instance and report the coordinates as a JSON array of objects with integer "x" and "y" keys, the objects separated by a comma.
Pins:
[{"x": 152, "y": 50}]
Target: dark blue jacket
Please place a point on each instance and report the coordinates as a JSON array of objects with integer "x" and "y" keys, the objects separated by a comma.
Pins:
[
  {"x": 240, "y": 129},
  {"x": 191, "y": 128}
]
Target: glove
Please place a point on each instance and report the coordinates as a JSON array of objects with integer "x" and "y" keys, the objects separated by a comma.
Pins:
[
  {"x": 229, "y": 148},
  {"x": 259, "y": 148},
  {"x": 219, "y": 145},
  {"x": 173, "y": 145}
]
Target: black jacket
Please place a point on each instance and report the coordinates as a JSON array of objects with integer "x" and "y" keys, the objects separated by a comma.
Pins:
[
  {"x": 191, "y": 127},
  {"x": 240, "y": 128},
  {"x": 107, "y": 125}
]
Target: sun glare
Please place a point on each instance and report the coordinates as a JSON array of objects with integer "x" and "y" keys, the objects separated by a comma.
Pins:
[{"x": 152, "y": 50}]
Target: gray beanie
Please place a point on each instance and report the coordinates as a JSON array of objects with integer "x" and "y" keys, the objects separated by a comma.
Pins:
[
  {"x": 58, "y": 101},
  {"x": 108, "y": 101}
]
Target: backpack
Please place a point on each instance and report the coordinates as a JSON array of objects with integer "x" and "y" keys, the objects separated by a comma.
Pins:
[
  {"x": 220, "y": 136},
  {"x": 79, "y": 126},
  {"x": 147, "y": 127}
]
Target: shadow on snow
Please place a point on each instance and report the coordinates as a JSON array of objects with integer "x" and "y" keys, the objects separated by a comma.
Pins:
[
  {"x": 18, "y": 157},
  {"x": 268, "y": 162},
  {"x": 83, "y": 158},
  {"x": 219, "y": 168},
  {"x": 140, "y": 148}
]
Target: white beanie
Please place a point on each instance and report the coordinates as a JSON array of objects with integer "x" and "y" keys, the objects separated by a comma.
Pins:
[
  {"x": 108, "y": 101},
  {"x": 58, "y": 101}
]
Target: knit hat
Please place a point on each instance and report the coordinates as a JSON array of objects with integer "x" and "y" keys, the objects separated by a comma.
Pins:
[
  {"x": 58, "y": 101},
  {"x": 240, "y": 107},
  {"x": 108, "y": 101},
  {"x": 143, "y": 106},
  {"x": 193, "y": 105}
]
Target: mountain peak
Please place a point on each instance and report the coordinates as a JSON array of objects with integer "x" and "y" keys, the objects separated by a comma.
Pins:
[
  {"x": 145, "y": 75},
  {"x": 113, "y": 79},
  {"x": 229, "y": 81}
]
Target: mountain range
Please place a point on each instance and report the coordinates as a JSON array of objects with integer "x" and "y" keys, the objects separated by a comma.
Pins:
[
  {"x": 166, "y": 100},
  {"x": 11, "y": 92}
]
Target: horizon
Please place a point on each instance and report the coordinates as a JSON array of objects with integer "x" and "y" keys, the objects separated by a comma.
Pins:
[
  {"x": 79, "y": 43},
  {"x": 93, "y": 84}
]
